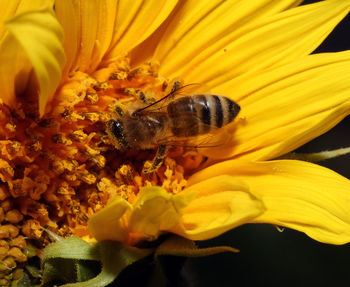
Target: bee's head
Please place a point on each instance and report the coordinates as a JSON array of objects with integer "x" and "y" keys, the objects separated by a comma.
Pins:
[{"x": 116, "y": 131}]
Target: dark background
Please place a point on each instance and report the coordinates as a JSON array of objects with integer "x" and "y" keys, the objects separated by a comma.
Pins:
[{"x": 290, "y": 258}]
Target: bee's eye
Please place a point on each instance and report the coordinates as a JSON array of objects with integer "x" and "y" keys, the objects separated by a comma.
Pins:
[{"x": 116, "y": 128}]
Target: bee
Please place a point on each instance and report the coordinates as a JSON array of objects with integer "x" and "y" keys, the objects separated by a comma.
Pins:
[{"x": 170, "y": 121}]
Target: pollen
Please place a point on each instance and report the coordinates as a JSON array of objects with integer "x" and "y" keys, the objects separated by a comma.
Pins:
[{"x": 59, "y": 170}]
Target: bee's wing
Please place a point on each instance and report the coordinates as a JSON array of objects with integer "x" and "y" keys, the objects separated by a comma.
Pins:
[
  {"x": 194, "y": 88},
  {"x": 199, "y": 142},
  {"x": 162, "y": 103},
  {"x": 207, "y": 140}
]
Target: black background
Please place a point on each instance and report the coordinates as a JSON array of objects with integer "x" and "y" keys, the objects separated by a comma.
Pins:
[{"x": 290, "y": 258}]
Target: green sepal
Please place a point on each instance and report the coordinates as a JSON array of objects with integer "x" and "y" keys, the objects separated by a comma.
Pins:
[
  {"x": 70, "y": 248},
  {"x": 24, "y": 281},
  {"x": 179, "y": 246},
  {"x": 317, "y": 156},
  {"x": 59, "y": 269},
  {"x": 76, "y": 259},
  {"x": 30, "y": 251},
  {"x": 86, "y": 269},
  {"x": 114, "y": 258},
  {"x": 33, "y": 271}
]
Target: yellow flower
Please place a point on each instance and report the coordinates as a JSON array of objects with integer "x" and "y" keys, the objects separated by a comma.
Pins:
[{"x": 65, "y": 71}]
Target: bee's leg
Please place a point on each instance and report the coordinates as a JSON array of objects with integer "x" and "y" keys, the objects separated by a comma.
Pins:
[
  {"x": 157, "y": 161},
  {"x": 171, "y": 87},
  {"x": 144, "y": 97},
  {"x": 140, "y": 95},
  {"x": 176, "y": 84},
  {"x": 118, "y": 110}
]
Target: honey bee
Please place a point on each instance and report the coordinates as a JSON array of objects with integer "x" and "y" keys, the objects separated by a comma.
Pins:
[{"x": 170, "y": 121}]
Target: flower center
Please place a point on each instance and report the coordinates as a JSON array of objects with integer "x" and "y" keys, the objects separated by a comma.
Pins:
[{"x": 59, "y": 170}]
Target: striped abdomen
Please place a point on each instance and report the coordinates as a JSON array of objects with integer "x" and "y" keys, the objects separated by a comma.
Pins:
[{"x": 200, "y": 114}]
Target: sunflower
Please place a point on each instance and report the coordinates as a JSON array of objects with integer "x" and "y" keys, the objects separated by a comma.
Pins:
[{"x": 69, "y": 67}]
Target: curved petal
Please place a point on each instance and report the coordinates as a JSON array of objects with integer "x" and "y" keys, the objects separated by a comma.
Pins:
[
  {"x": 108, "y": 224},
  {"x": 14, "y": 7},
  {"x": 298, "y": 195},
  {"x": 41, "y": 36},
  {"x": 87, "y": 37},
  {"x": 286, "y": 107},
  {"x": 15, "y": 67},
  {"x": 212, "y": 55},
  {"x": 13, "y": 62},
  {"x": 191, "y": 17},
  {"x": 183, "y": 18},
  {"x": 136, "y": 21},
  {"x": 222, "y": 203},
  {"x": 156, "y": 210}
]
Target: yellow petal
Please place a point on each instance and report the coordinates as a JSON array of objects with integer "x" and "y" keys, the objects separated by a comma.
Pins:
[
  {"x": 191, "y": 17},
  {"x": 14, "y": 7},
  {"x": 15, "y": 67},
  {"x": 108, "y": 224},
  {"x": 199, "y": 24},
  {"x": 40, "y": 35},
  {"x": 67, "y": 13},
  {"x": 156, "y": 210},
  {"x": 298, "y": 195},
  {"x": 272, "y": 40},
  {"x": 89, "y": 28},
  {"x": 185, "y": 16},
  {"x": 286, "y": 107},
  {"x": 222, "y": 203},
  {"x": 136, "y": 21},
  {"x": 13, "y": 62}
]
